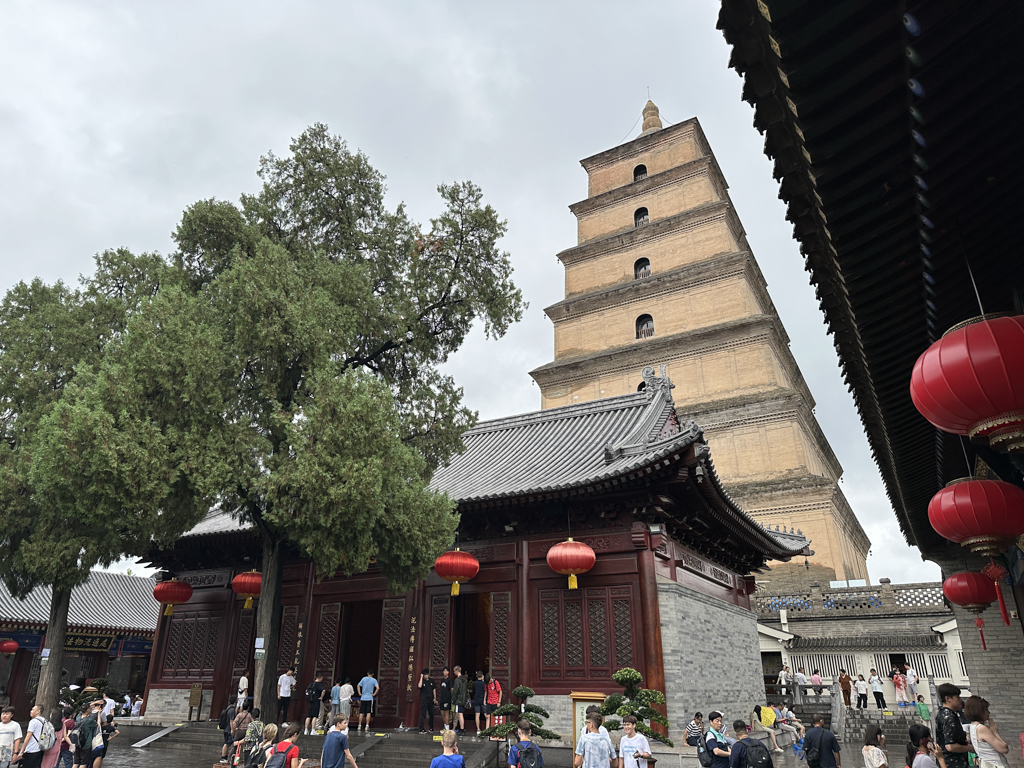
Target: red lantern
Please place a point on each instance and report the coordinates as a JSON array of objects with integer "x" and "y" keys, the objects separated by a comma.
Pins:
[
  {"x": 986, "y": 516},
  {"x": 172, "y": 593},
  {"x": 971, "y": 382},
  {"x": 455, "y": 567},
  {"x": 247, "y": 585},
  {"x": 9, "y": 647},
  {"x": 570, "y": 558},
  {"x": 973, "y": 592}
]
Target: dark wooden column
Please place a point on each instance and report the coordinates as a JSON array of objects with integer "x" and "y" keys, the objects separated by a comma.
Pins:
[
  {"x": 156, "y": 658},
  {"x": 526, "y": 669},
  {"x": 654, "y": 667}
]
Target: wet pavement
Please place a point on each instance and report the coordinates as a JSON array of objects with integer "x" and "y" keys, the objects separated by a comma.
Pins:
[{"x": 125, "y": 756}]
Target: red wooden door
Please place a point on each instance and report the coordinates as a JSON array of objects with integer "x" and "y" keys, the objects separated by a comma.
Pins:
[{"x": 502, "y": 642}]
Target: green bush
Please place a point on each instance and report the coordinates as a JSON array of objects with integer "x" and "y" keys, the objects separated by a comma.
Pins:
[
  {"x": 515, "y": 712},
  {"x": 638, "y": 702}
]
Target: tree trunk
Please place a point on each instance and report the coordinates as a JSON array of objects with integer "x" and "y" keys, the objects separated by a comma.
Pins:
[
  {"x": 56, "y": 631},
  {"x": 268, "y": 626}
]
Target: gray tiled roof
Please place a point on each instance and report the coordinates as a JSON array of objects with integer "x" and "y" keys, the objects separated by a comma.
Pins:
[
  {"x": 869, "y": 641},
  {"x": 559, "y": 448},
  {"x": 107, "y": 600},
  {"x": 571, "y": 447}
]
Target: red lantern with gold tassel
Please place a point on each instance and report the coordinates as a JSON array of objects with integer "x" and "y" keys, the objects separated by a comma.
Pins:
[
  {"x": 571, "y": 558},
  {"x": 456, "y": 566},
  {"x": 971, "y": 382},
  {"x": 985, "y": 516},
  {"x": 248, "y": 585},
  {"x": 9, "y": 647},
  {"x": 172, "y": 593},
  {"x": 974, "y": 592}
]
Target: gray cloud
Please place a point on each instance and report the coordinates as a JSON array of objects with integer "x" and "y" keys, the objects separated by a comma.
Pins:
[{"x": 116, "y": 116}]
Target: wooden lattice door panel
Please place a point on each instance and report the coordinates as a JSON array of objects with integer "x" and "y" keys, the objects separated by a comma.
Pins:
[
  {"x": 501, "y": 641},
  {"x": 243, "y": 644},
  {"x": 327, "y": 641},
  {"x": 191, "y": 650},
  {"x": 288, "y": 637},
  {"x": 588, "y": 633},
  {"x": 392, "y": 642},
  {"x": 440, "y": 633}
]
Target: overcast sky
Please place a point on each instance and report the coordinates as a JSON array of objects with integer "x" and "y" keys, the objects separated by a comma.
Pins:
[{"x": 115, "y": 116}]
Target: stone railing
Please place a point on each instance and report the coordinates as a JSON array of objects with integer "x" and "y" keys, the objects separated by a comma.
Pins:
[{"x": 884, "y": 598}]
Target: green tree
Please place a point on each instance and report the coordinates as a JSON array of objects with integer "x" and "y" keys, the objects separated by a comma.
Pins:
[
  {"x": 324, "y": 318},
  {"x": 515, "y": 712},
  {"x": 636, "y": 701},
  {"x": 77, "y": 488}
]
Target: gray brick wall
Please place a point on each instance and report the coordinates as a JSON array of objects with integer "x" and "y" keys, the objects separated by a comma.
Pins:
[
  {"x": 172, "y": 704},
  {"x": 998, "y": 673},
  {"x": 560, "y": 709},
  {"x": 712, "y": 657}
]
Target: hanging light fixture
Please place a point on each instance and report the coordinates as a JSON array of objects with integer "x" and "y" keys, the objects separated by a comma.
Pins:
[
  {"x": 973, "y": 592},
  {"x": 172, "y": 593},
  {"x": 456, "y": 566},
  {"x": 985, "y": 516},
  {"x": 971, "y": 382},
  {"x": 571, "y": 558},
  {"x": 248, "y": 585}
]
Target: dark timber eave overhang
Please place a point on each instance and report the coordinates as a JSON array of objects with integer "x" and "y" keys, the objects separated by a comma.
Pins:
[{"x": 831, "y": 91}]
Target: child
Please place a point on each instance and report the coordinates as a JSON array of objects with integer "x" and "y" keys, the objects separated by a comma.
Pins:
[
  {"x": 922, "y": 710},
  {"x": 862, "y": 692},
  {"x": 900, "y": 682},
  {"x": 451, "y": 757}
]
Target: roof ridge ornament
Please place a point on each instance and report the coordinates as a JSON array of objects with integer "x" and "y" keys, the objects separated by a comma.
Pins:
[{"x": 654, "y": 384}]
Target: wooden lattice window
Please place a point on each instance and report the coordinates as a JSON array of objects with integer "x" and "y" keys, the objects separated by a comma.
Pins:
[
  {"x": 191, "y": 649},
  {"x": 640, "y": 172},
  {"x": 641, "y": 217},
  {"x": 588, "y": 633}
]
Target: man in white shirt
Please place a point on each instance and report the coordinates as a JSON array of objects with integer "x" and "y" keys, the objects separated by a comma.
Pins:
[
  {"x": 127, "y": 703},
  {"x": 32, "y": 750},
  {"x": 634, "y": 749},
  {"x": 801, "y": 680},
  {"x": 108, "y": 706},
  {"x": 285, "y": 683},
  {"x": 243, "y": 689},
  {"x": 10, "y": 736},
  {"x": 912, "y": 682}
]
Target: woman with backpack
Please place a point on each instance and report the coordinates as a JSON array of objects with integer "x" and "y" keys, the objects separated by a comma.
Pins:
[
  {"x": 53, "y": 754},
  {"x": 286, "y": 753},
  {"x": 260, "y": 752}
]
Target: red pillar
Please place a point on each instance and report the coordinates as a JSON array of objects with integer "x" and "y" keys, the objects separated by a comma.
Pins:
[{"x": 654, "y": 667}]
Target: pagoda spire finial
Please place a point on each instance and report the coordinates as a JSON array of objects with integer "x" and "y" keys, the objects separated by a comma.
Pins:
[{"x": 652, "y": 118}]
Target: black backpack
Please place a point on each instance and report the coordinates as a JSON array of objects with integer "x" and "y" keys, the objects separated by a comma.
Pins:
[
  {"x": 311, "y": 694},
  {"x": 704, "y": 756},
  {"x": 530, "y": 757},
  {"x": 226, "y": 717},
  {"x": 277, "y": 759},
  {"x": 757, "y": 755},
  {"x": 812, "y": 753}
]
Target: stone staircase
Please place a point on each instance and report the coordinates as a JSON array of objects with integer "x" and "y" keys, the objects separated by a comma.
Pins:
[
  {"x": 200, "y": 744},
  {"x": 894, "y": 726}
]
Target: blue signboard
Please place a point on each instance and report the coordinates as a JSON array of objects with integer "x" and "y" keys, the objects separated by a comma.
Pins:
[
  {"x": 30, "y": 641},
  {"x": 136, "y": 647}
]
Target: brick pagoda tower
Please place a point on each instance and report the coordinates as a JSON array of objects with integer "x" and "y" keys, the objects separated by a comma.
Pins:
[{"x": 663, "y": 275}]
